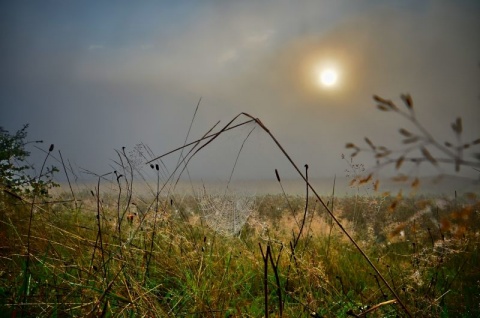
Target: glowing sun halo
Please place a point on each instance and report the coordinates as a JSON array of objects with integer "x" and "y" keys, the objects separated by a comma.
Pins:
[{"x": 328, "y": 77}]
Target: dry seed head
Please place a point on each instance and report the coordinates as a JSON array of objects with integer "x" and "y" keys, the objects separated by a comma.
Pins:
[
  {"x": 457, "y": 126},
  {"x": 369, "y": 142},
  {"x": 51, "y": 148},
  {"x": 407, "y": 99},
  {"x": 385, "y": 104},
  {"x": 415, "y": 183},
  {"x": 428, "y": 156},
  {"x": 399, "y": 162},
  {"x": 383, "y": 108},
  {"x": 381, "y": 99},
  {"x": 383, "y": 154},
  {"x": 130, "y": 218},
  {"x": 365, "y": 180},
  {"x": 354, "y": 180},
  {"x": 405, "y": 132}
]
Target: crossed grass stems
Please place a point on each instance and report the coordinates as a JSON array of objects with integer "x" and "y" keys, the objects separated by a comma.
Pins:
[
  {"x": 454, "y": 154},
  {"x": 268, "y": 255},
  {"x": 128, "y": 167}
]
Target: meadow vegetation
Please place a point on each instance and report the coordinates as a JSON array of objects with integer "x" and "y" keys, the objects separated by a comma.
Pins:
[{"x": 110, "y": 251}]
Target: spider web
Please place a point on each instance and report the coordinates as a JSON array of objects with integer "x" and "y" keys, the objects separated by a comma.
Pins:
[{"x": 225, "y": 214}]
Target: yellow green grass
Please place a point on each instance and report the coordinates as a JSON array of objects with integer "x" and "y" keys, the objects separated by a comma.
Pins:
[{"x": 169, "y": 263}]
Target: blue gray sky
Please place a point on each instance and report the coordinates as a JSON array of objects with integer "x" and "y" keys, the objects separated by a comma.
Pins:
[{"x": 94, "y": 76}]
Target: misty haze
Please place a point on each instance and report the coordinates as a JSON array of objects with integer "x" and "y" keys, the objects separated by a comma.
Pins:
[{"x": 240, "y": 158}]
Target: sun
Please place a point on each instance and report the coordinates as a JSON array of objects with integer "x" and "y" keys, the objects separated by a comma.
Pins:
[{"x": 328, "y": 77}]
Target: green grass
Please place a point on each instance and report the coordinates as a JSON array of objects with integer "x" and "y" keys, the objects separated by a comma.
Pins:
[{"x": 190, "y": 270}]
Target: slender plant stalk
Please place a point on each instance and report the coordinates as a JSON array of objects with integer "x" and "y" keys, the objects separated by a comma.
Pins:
[
  {"x": 201, "y": 139},
  {"x": 259, "y": 122},
  {"x": 277, "y": 277},
  {"x": 331, "y": 220},
  {"x": 129, "y": 184},
  {"x": 265, "y": 276},
  {"x": 180, "y": 157},
  {"x": 119, "y": 217},
  {"x": 99, "y": 239},
  {"x": 105, "y": 293},
  {"x": 68, "y": 180},
  {"x": 154, "y": 230},
  {"x": 304, "y": 213},
  {"x": 287, "y": 199},
  {"x": 331, "y": 214},
  {"x": 26, "y": 279}
]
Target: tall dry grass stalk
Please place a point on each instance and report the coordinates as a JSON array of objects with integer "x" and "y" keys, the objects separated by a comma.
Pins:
[{"x": 250, "y": 118}]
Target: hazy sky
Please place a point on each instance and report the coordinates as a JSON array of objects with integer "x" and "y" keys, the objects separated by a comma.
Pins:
[{"x": 93, "y": 76}]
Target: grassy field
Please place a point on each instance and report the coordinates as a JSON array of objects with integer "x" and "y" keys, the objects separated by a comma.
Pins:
[{"x": 115, "y": 253}]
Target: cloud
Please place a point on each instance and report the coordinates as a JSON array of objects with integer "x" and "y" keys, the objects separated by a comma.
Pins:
[{"x": 144, "y": 77}]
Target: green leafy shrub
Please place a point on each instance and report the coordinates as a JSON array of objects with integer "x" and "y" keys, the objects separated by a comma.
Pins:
[{"x": 16, "y": 173}]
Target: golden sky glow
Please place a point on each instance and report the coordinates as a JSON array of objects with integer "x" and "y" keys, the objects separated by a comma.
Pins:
[
  {"x": 328, "y": 78},
  {"x": 135, "y": 71}
]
